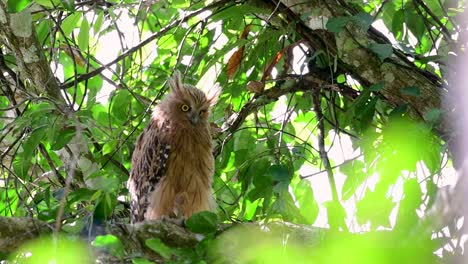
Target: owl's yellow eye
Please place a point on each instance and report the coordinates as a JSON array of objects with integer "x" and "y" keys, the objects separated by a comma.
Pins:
[{"x": 185, "y": 108}]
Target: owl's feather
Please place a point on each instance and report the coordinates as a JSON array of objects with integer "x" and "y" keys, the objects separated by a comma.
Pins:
[
  {"x": 148, "y": 167},
  {"x": 173, "y": 165}
]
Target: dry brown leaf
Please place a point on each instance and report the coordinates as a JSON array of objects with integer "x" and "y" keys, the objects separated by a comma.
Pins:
[
  {"x": 271, "y": 65},
  {"x": 236, "y": 58},
  {"x": 255, "y": 86},
  {"x": 73, "y": 54},
  {"x": 234, "y": 62},
  {"x": 245, "y": 32}
]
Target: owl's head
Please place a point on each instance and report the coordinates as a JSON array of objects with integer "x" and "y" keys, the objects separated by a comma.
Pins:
[{"x": 188, "y": 104}]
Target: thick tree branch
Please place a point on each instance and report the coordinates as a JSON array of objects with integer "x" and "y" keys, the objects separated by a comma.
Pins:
[{"x": 350, "y": 46}]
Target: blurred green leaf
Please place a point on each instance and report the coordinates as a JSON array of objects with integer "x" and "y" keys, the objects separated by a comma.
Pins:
[
  {"x": 110, "y": 243},
  {"x": 203, "y": 222},
  {"x": 355, "y": 176},
  {"x": 308, "y": 206},
  {"x": 15, "y": 6},
  {"x": 48, "y": 250}
]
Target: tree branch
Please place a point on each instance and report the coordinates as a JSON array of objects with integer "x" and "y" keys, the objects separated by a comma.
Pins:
[{"x": 301, "y": 84}]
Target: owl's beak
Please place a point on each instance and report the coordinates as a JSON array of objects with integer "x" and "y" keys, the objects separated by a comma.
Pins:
[{"x": 194, "y": 119}]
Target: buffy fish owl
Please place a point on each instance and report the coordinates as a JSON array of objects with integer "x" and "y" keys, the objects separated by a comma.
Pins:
[{"x": 172, "y": 164}]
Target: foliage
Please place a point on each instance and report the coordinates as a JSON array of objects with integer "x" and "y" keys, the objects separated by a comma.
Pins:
[{"x": 70, "y": 159}]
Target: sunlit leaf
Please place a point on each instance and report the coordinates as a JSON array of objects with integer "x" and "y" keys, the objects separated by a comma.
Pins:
[
  {"x": 83, "y": 36},
  {"x": 48, "y": 250},
  {"x": 110, "y": 243},
  {"x": 70, "y": 23},
  {"x": 15, "y": 6}
]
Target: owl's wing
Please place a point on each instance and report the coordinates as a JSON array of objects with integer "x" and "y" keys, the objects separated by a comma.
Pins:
[{"x": 148, "y": 167}]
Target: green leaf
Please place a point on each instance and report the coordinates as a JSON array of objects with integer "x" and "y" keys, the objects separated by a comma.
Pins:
[
  {"x": 159, "y": 247},
  {"x": 336, "y": 24},
  {"x": 121, "y": 105},
  {"x": 341, "y": 78},
  {"x": 415, "y": 23},
  {"x": 15, "y": 6},
  {"x": 355, "y": 176},
  {"x": 62, "y": 138},
  {"x": 398, "y": 22},
  {"x": 363, "y": 20},
  {"x": 238, "y": 11},
  {"x": 307, "y": 204},
  {"x": 203, "y": 222},
  {"x": 97, "y": 25},
  {"x": 382, "y": 51},
  {"x": 69, "y": 4},
  {"x": 105, "y": 206},
  {"x": 70, "y": 23},
  {"x": 258, "y": 170},
  {"x": 243, "y": 140},
  {"x": 83, "y": 37},
  {"x": 110, "y": 243},
  {"x": 366, "y": 114},
  {"x": 375, "y": 207},
  {"x": 22, "y": 161},
  {"x": 74, "y": 227},
  {"x": 279, "y": 173},
  {"x": 411, "y": 90},
  {"x": 48, "y": 3}
]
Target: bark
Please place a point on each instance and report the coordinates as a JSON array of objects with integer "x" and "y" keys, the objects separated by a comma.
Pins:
[
  {"x": 236, "y": 243},
  {"x": 16, "y": 231},
  {"x": 18, "y": 34}
]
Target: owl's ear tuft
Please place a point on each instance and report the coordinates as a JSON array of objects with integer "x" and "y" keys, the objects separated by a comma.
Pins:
[
  {"x": 175, "y": 82},
  {"x": 213, "y": 94}
]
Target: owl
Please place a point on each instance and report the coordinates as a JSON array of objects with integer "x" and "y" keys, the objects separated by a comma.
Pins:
[{"x": 172, "y": 164}]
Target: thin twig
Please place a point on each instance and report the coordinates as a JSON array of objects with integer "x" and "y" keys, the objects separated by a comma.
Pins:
[
  {"x": 321, "y": 142},
  {"x": 316, "y": 99}
]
